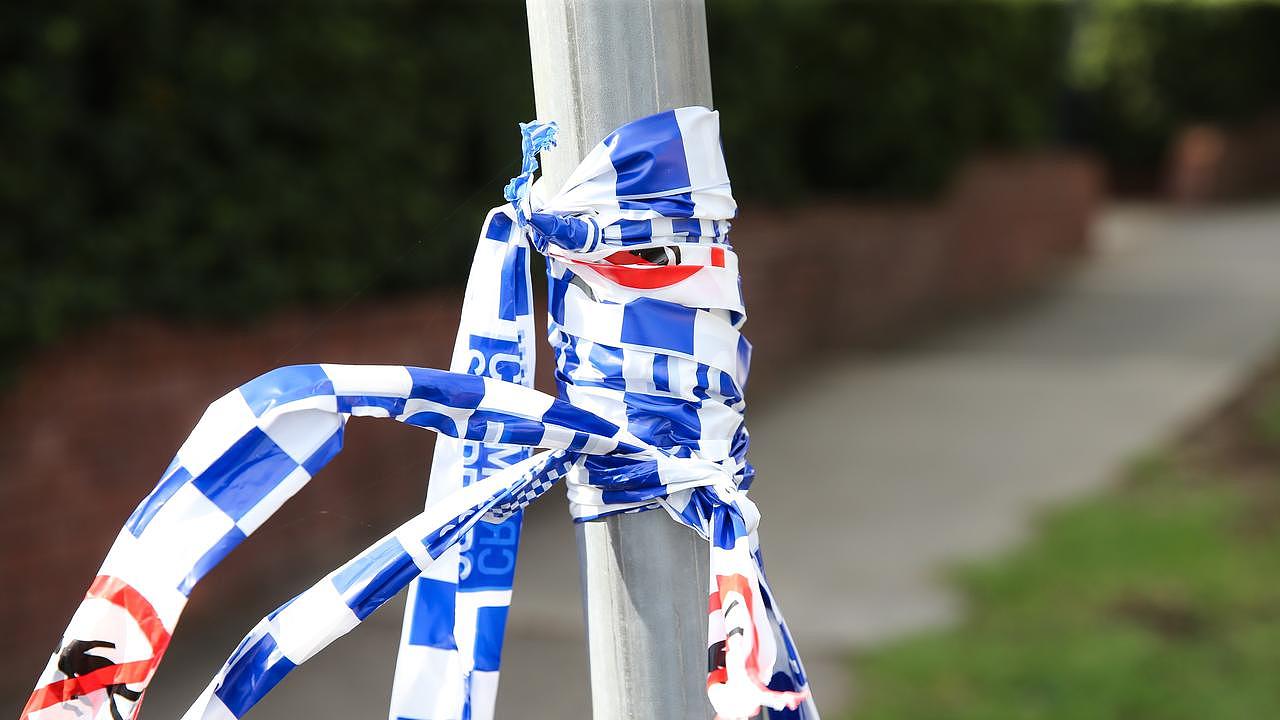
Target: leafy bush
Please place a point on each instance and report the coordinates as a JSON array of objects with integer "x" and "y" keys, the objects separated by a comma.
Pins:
[
  {"x": 1146, "y": 69},
  {"x": 216, "y": 159},
  {"x": 880, "y": 97}
]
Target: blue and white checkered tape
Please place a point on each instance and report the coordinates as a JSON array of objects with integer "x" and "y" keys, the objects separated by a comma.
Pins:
[{"x": 645, "y": 310}]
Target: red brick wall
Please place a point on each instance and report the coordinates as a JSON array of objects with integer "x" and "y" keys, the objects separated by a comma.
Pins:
[
  {"x": 1210, "y": 163},
  {"x": 91, "y": 423},
  {"x": 839, "y": 275}
]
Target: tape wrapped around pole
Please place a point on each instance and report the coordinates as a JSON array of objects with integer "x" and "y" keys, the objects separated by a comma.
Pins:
[{"x": 645, "y": 309}]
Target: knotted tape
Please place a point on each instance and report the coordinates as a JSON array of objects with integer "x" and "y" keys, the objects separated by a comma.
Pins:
[{"x": 644, "y": 306}]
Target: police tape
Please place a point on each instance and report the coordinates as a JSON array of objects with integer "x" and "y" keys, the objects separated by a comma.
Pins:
[{"x": 645, "y": 311}]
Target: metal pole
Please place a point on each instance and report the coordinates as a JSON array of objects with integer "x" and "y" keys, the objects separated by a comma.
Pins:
[{"x": 596, "y": 65}]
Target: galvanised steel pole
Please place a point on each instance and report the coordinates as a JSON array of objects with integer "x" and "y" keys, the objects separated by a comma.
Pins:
[{"x": 596, "y": 65}]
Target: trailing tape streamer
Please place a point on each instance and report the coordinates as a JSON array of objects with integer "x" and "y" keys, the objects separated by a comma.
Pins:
[{"x": 645, "y": 309}]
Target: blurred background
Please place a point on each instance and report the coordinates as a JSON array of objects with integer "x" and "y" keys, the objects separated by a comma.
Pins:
[{"x": 1013, "y": 270}]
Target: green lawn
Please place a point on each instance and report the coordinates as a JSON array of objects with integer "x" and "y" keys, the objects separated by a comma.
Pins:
[{"x": 1159, "y": 600}]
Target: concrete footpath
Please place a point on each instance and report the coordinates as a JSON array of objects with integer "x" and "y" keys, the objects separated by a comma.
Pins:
[{"x": 877, "y": 472}]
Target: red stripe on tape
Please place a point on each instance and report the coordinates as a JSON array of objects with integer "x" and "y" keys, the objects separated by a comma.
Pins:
[{"x": 121, "y": 594}]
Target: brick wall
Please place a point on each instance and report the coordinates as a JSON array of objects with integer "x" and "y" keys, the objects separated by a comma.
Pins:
[
  {"x": 840, "y": 275},
  {"x": 90, "y": 424},
  {"x": 1209, "y": 163}
]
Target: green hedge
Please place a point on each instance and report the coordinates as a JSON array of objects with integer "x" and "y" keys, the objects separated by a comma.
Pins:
[
  {"x": 216, "y": 160},
  {"x": 879, "y": 97},
  {"x": 1143, "y": 70}
]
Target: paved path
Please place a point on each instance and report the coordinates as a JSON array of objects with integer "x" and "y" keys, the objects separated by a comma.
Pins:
[{"x": 877, "y": 472}]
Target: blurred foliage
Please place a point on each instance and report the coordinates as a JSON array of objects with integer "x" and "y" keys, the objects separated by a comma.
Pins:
[
  {"x": 216, "y": 160},
  {"x": 1143, "y": 70},
  {"x": 879, "y": 97},
  {"x": 1157, "y": 601}
]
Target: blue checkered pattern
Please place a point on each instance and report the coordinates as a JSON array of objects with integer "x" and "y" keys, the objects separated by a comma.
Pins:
[
  {"x": 651, "y": 377},
  {"x": 456, "y": 615},
  {"x": 257, "y": 446},
  {"x": 297, "y": 630},
  {"x": 669, "y": 366}
]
